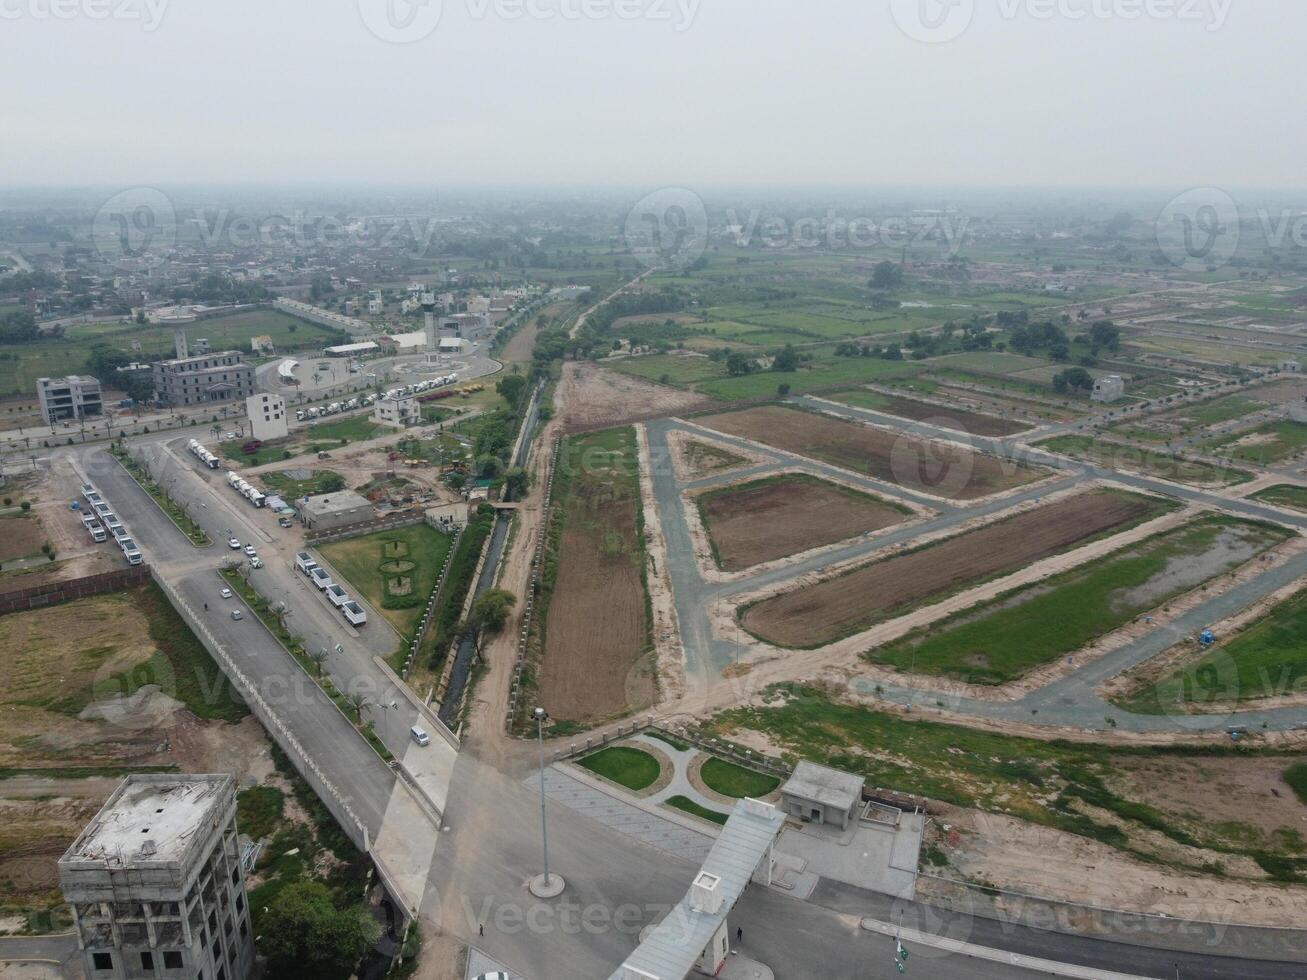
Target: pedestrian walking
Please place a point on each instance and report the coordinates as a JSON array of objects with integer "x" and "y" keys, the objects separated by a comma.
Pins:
[
  {"x": 739, "y": 934},
  {"x": 481, "y": 928}
]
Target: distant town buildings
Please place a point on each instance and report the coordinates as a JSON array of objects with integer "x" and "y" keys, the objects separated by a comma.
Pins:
[
  {"x": 1108, "y": 389},
  {"x": 327, "y": 318},
  {"x": 155, "y": 884},
  {"x": 267, "y": 414},
  {"x": 69, "y": 399}
]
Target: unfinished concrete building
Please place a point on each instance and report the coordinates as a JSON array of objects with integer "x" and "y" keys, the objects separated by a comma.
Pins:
[{"x": 155, "y": 885}]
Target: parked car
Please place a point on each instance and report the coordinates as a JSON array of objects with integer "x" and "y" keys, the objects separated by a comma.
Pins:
[
  {"x": 233, "y": 544},
  {"x": 256, "y": 562},
  {"x": 225, "y": 593},
  {"x": 250, "y": 550}
]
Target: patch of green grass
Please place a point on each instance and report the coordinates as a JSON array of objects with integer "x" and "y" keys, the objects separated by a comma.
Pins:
[
  {"x": 687, "y": 805},
  {"x": 736, "y": 781},
  {"x": 259, "y": 811},
  {"x": 269, "y": 452},
  {"x": 458, "y": 580},
  {"x": 322, "y": 481},
  {"x": 1001, "y": 639},
  {"x": 1283, "y": 495},
  {"x": 632, "y": 768},
  {"x": 675, "y": 743},
  {"x": 356, "y": 428},
  {"x": 1296, "y": 777},
  {"x": 1265, "y": 445},
  {"x": 1115, "y": 456}
]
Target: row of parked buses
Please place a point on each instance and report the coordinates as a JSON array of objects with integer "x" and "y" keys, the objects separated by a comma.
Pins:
[
  {"x": 202, "y": 454},
  {"x": 257, "y": 497},
  {"x": 336, "y": 595},
  {"x": 101, "y": 522}
]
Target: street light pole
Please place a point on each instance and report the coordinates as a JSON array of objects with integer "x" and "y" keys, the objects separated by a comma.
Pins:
[{"x": 546, "y": 885}]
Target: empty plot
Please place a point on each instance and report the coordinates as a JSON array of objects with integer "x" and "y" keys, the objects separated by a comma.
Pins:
[
  {"x": 819, "y": 614},
  {"x": 959, "y": 419},
  {"x": 941, "y": 469},
  {"x": 763, "y": 520}
]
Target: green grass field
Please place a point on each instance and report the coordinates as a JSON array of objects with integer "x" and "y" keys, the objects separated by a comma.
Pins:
[
  {"x": 687, "y": 805},
  {"x": 1092, "y": 790},
  {"x": 1114, "y": 456},
  {"x": 632, "y": 768},
  {"x": 1265, "y": 445},
  {"x": 394, "y": 570},
  {"x": 322, "y": 481},
  {"x": 736, "y": 781},
  {"x": 1267, "y": 659},
  {"x": 1002, "y": 639},
  {"x": 355, "y": 428},
  {"x": 1284, "y": 495}
]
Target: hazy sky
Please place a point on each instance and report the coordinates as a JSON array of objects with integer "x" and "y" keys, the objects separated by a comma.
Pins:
[{"x": 1031, "y": 92}]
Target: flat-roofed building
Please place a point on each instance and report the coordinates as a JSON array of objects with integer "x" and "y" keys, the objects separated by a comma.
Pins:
[
  {"x": 332, "y": 510},
  {"x": 267, "y": 414},
  {"x": 819, "y": 794},
  {"x": 69, "y": 399},
  {"x": 155, "y": 884},
  {"x": 399, "y": 412},
  {"x": 202, "y": 379}
]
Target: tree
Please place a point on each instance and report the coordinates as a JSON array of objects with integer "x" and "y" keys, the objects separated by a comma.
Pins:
[
  {"x": 319, "y": 657},
  {"x": 1073, "y": 379},
  {"x": 782, "y": 389},
  {"x": 331, "y": 483},
  {"x": 516, "y": 483},
  {"x": 1105, "y": 333},
  {"x": 886, "y": 275},
  {"x": 787, "y": 359},
  {"x": 738, "y": 365},
  {"x": 305, "y": 936},
  {"x": 357, "y": 702},
  {"x": 511, "y": 388},
  {"x": 489, "y": 612}
]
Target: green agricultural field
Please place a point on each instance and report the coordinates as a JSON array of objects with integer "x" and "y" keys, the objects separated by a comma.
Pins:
[
  {"x": 1267, "y": 659},
  {"x": 1265, "y": 445},
  {"x": 668, "y": 369},
  {"x": 1116, "y": 456},
  {"x": 1107, "y": 794},
  {"x": 1284, "y": 495},
  {"x": 825, "y": 373},
  {"x": 736, "y": 781},
  {"x": 1002, "y": 639},
  {"x": 1211, "y": 351},
  {"x": 632, "y": 768},
  {"x": 394, "y": 570}
]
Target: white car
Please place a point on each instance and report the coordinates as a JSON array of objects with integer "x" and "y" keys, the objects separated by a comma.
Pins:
[
  {"x": 249, "y": 550},
  {"x": 256, "y": 562},
  {"x": 233, "y": 544},
  {"x": 225, "y": 593},
  {"x": 237, "y": 614}
]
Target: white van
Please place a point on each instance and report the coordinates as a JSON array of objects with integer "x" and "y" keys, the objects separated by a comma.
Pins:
[{"x": 419, "y": 736}]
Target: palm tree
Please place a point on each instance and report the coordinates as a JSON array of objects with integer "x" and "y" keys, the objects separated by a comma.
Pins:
[
  {"x": 357, "y": 703},
  {"x": 319, "y": 657}
]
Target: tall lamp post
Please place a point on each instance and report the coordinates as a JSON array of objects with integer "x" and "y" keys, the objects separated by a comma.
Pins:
[{"x": 545, "y": 885}]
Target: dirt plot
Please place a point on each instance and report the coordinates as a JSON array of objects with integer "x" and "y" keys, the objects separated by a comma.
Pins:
[
  {"x": 756, "y": 522},
  {"x": 819, "y": 614},
  {"x": 596, "y": 632},
  {"x": 937, "y": 468},
  {"x": 948, "y": 417},
  {"x": 596, "y": 398}
]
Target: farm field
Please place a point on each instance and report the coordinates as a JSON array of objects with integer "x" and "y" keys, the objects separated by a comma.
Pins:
[
  {"x": 21, "y": 535},
  {"x": 595, "y": 568},
  {"x": 958, "y": 419},
  {"x": 1114, "y": 456},
  {"x": 395, "y": 570},
  {"x": 1268, "y": 658},
  {"x": 1265, "y": 445},
  {"x": 751, "y": 523},
  {"x": 1198, "y": 350},
  {"x": 1179, "y": 421},
  {"x": 1283, "y": 495},
  {"x": 1136, "y": 800},
  {"x": 915, "y": 464},
  {"x": 856, "y": 600},
  {"x": 1005, "y": 637}
]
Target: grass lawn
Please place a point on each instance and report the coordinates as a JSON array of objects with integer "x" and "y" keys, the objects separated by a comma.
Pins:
[
  {"x": 354, "y": 429},
  {"x": 1000, "y": 640},
  {"x": 1270, "y": 659},
  {"x": 687, "y": 805},
  {"x": 1284, "y": 495},
  {"x": 269, "y": 452},
  {"x": 394, "y": 570},
  {"x": 1100, "y": 792},
  {"x": 1265, "y": 445},
  {"x": 632, "y": 768},
  {"x": 1161, "y": 465},
  {"x": 259, "y": 810},
  {"x": 1296, "y": 777},
  {"x": 731, "y": 780},
  {"x": 322, "y": 481}
]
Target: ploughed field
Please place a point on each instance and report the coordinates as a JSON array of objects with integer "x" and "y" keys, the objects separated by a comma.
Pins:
[
  {"x": 763, "y": 520},
  {"x": 959, "y": 419},
  {"x": 916, "y": 464},
  {"x": 815, "y": 615}
]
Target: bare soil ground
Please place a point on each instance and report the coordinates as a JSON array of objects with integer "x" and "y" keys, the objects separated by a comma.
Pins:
[
  {"x": 1279, "y": 392},
  {"x": 936, "y": 468},
  {"x": 818, "y": 614},
  {"x": 520, "y": 346},
  {"x": 695, "y": 457},
  {"x": 50, "y": 489},
  {"x": 768, "y": 519},
  {"x": 595, "y": 398},
  {"x": 949, "y": 417}
]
